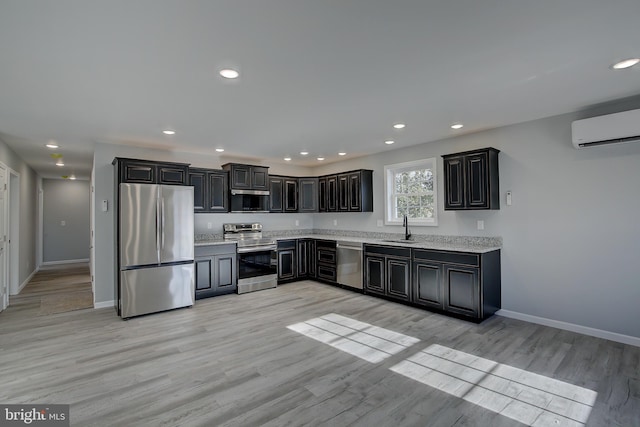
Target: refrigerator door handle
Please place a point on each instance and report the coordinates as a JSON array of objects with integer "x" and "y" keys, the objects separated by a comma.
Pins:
[
  {"x": 158, "y": 225},
  {"x": 162, "y": 223}
]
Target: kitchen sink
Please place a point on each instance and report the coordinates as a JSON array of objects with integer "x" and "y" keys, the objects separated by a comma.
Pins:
[{"x": 399, "y": 241}]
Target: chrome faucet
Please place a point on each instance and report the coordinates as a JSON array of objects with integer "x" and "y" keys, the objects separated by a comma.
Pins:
[{"x": 405, "y": 224}]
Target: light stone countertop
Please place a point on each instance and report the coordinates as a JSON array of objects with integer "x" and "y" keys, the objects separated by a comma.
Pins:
[{"x": 455, "y": 243}]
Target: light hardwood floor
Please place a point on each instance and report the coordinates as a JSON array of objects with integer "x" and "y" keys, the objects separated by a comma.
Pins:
[{"x": 231, "y": 360}]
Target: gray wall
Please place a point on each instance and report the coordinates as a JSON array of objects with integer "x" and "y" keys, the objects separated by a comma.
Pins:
[
  {"x": 28, "y": 210},
  {"x": 571, "y": 237},
  {"x": 68, "y": 201}
]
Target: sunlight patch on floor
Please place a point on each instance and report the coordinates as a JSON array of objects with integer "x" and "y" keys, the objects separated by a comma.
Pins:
[
  {"x": 523, "y": 396},
  {"x": 359, "y": 339}
]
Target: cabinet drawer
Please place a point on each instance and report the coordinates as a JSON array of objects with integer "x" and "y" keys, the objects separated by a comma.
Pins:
[
  {"x": 286, "y": 244},
  {"x": 327, "y": 273},
  {"x": 203, "y": 251},
  {"x": 327, "y": 256},
  {"x": 461, "y": 258},
  {"x": 388, "y": 250}
]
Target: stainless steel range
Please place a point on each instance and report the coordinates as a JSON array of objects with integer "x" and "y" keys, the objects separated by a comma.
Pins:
[{"x": 257, "y": 257}]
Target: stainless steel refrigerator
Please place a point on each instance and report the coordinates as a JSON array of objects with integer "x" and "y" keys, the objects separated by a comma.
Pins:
[{"x": 156, "y": 262}]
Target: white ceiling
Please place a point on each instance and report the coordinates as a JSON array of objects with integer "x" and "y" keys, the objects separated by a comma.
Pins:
[{"x": 322, "y": 76}]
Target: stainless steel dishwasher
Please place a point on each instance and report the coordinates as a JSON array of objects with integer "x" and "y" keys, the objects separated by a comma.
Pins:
[{"x": 349, "y": 258}]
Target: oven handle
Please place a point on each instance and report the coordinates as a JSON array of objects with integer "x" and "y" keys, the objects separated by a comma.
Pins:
[{"x": 257, "y": 249}]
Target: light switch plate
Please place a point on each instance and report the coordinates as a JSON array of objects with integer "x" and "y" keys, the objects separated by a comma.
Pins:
[
  {"x": 209, "y": 226},
  {"x": 508, "y": 198},
  {"x": 335, "y": 222},
  {"x": 480, "y": 224},
  {"x": 297, "y": 223}
]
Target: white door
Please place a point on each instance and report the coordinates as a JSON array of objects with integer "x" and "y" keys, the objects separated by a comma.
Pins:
[{"x": 4, "y": 291}]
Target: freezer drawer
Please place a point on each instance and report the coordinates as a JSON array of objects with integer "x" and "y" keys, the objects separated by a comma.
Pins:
[{"x": 148, "y": 290}]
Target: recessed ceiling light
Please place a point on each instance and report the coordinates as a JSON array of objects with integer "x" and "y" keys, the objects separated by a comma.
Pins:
[
  {"x": 321, "y": 158},
  {"x": 169, "y": 132},
  {"x": 399, "y": 125},
  {"x": 228, "y": 73},
  {"x": 287, "y": 159},
  {"x": 627, "y": 63},
  {"x": 389, "y": 142},
  {"x": 456, "y": 126},
  {"x": 60, "y": 163},
  {"x": 219, "y": 150},
  {"x": 342, "y": 153},
  {"x": 304, "y": 153},
  {"x": 52, "y": 144}
]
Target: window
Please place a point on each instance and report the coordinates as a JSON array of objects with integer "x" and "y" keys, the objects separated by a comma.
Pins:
[{"x": 410, "y": 189}]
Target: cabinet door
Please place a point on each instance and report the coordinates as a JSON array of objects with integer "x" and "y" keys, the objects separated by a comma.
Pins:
[
  {"x": 308, "y": 191},
  {"x": 286, "y": 264},
  {"x": 462, "y": 290},
  {"x": 332, "y": 194},
  {"x": 454, "y": 183},
  {"x": 343, "y": 193},
  {"x": 173, "y": 175},
  {"x": 240, "y": 177},
  {"x": 303, "y": 258},
  {"x": 427, "y": 284},
  {"x": 276, "y": 194},
  {"x": 218, "y": 192},
  {"x": 259, "y": 178},
  {"x": 225, "y": 272},
  {"x": 354, "y": 192},
  {"x": 476, "y": 180},
  {"x": 291, "y": 195},
  {"x": 197, "y": 181},
  {"x": 398, "y": 278},
  {"x": 204, "y": 276},
  {"x": 311, "y": 258},
  {"x": 137, "y": 172},
  {"x": 374, "y": 274},
  {"x": 322, "y": 194}
]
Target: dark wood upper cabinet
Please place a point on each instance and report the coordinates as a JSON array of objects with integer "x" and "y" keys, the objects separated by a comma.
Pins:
[
  {"x": 291, "y": 195},
  {"x": 197, "y": 180},
  {"x": 247, "y": 177},
  {"x": 218, "y": 191},
  {"x": 322, "y": 194},
  {"x": 210, "y": 190},
  {"x": 332, "y": 193},
  {"x": 471, "y": 180},
  {"x": 348, "y": 192},
  {"x": 276, "y": 193},
  {"x": 151, "y": 172},
  {"x": 308, "y": 194}
]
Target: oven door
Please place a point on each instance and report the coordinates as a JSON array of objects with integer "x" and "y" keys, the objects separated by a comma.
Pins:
[{"x": 257, "y": 269}]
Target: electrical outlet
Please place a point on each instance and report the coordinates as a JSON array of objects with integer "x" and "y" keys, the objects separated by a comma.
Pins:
[
  {"x": 63, "y": 223},
  {"x": 209, "y": 226},
  {"x": 335, "y": 222},
  {"x": 380, "y": 224},
  {"x": 297, "y": 223},
  {"x": 480, "y": 224}
]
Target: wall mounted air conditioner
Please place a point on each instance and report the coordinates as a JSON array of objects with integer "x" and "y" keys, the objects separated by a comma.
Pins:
[{"x": 603, "y": 130}]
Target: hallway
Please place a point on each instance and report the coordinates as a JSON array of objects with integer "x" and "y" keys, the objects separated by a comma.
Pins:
[{"x": 55, "y": 289}]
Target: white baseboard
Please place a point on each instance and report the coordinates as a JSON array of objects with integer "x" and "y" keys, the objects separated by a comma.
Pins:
[
  {"x": 104, "y": 304},
  {"x": 26, "y": 281},
  {"x": 599, "y": 333},
  {"x": 67, "y": 261}
]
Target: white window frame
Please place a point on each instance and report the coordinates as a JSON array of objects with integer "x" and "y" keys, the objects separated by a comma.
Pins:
[{"x": 390, "y": 171}]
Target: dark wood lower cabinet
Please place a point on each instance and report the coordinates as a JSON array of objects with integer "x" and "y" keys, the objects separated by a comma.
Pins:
[
  {"x": 463, "y": 284},
  {"x": 287, "y": 260},
  {"x": 388, "y": 271},
  {"x": 427, "y": 284},
  {"x": 326, "y": 261},
  {"x": 215, "y": 267}
]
